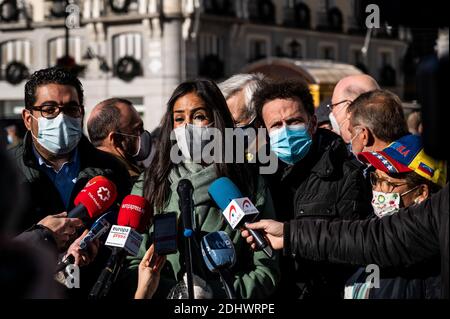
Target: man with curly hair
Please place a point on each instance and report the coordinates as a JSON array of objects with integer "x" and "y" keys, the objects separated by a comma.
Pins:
[{"x": 316, "y": 179}]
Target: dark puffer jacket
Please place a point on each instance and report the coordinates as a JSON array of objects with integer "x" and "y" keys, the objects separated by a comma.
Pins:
[
  {"x": 412, "y": 236},
  {"x": 327, "y": 184}
]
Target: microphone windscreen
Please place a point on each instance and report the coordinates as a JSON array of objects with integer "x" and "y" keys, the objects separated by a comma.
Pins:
[
  {"x": 223, "y": 191},
  {"x": 218, "y": 250},
  {"x": 97, "y": 196},
  {"x": 135, "y": 213}
]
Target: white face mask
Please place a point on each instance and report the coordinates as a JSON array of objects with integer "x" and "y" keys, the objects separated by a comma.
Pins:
[
  {"x": 192, "y": 139},
  {"x": 59, "y": 135},
  {"x": 385, "y": 204},
  {"x": 334, "y": 124}
]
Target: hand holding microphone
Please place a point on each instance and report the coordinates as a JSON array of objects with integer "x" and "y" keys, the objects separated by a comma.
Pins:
[
  {"x": 237, "y": 210},
  {"x": 273, "y": 231},
  {"x": 83, "y": 257},
  {"x": 93, "y": 200},
  {"x": 62, "y": 228}
]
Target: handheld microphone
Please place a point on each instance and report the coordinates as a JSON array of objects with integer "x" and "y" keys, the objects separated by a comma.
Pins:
[
  {"x": 237, "y": 210},
  {"x": 94, "y": 199},
  {"x": 123, "y": 238},
  {"x": 185, "y": 191},
  {"x": 100, "y": 227},
  {"x": 219, "y": 255}
]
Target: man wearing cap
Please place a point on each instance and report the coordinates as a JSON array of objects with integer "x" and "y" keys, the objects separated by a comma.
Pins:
[{"x": 404, "y": 176}]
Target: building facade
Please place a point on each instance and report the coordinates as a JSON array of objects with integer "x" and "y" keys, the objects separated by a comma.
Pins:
[{"x": 142, "y": 49}]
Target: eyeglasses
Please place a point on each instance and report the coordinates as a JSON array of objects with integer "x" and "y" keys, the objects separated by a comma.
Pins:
[
  {"x": 247, "y": 125},
  {"x": 383, "y": 184},
  {"x": 52, "y": 110},
  {"x": 332, "y": 106}
]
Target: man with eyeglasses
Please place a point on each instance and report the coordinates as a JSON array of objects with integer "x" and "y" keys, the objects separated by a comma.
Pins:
[
  {"x": 346, "y": 91},
  {"x": 238, "y": 92},
  {"x": 56, "y": 161}
]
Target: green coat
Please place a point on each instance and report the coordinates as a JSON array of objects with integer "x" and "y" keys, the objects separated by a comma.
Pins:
[{"x": 255, "y": 275}]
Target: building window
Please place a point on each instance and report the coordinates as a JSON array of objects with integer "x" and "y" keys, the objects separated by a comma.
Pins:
[
  {"x": 258, "y": 49},
  {"x": 261, "y": 11},
  {"x": 388, "y": 74},
  {"x": 127, "y": 55},
  {"x": 294, "y": 48},
  {"x": 210, "y": 44},
  {"x": 356, "y": 58},
  {"x": 385, "y": 58},
  {"x": 219, "y": 7},
  {"x": 57, "y": 49},
  {"x": 123, "y": 6},
  {"x": 327, "y": 52},
  {"x": 14, "y": 51},
  {"x": 127, "y": 44},
  {"x": 211, "y": 56},
  {"x": 297, "y": 14}
]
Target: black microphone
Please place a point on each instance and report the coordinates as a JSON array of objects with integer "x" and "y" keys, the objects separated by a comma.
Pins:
[
  {"x": 185, "y": 202},
  {"x": 185, "y": 191}
]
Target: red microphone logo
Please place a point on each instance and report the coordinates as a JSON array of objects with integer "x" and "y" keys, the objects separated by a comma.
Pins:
[
  {"x": 232, "y": 212},
  {"x": 103, "y": 193},
  {"x": 97, "y": 196}
]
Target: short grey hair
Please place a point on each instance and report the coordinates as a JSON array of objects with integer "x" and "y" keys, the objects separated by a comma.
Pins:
[{"x": 248, "y": 83}]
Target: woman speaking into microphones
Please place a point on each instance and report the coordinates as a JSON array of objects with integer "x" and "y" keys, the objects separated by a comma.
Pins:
[{"x": 196, "y": 115}]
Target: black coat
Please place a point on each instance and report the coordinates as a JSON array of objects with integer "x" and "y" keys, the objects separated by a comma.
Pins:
[
  {"x": 413, "y": 235},
  {"x": 327, "y": 184},
  {"x": 44, "y": 198}
]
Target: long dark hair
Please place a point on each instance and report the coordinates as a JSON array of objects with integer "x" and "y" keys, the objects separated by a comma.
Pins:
[{"x": 156, "y": 182}]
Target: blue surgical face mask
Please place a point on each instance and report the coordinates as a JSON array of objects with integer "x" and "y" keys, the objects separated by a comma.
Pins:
[
  {"x": 59, "y": 135},
  {"x": 291, "y": 143}
]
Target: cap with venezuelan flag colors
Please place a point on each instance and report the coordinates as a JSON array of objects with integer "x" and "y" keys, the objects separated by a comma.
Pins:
[{"x": 407, "y": 155}]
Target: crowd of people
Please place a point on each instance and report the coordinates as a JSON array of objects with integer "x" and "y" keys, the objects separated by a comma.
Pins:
[{"x": 351, "y": 188}]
